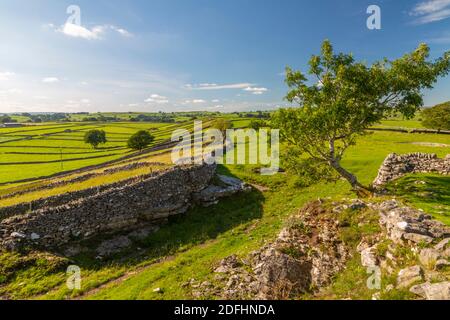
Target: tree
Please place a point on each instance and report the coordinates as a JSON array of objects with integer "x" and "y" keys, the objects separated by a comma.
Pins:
[
  {"x": 140, "y": 140},
  {"x": 437, "y": 117},
  {"x": 6, "y": 119},
  {"x": 222, "y": 125},
  {"x": 257, "y": 124},
  {"x": 347, "y": 97},
  {"x": 95, "y": 137}
]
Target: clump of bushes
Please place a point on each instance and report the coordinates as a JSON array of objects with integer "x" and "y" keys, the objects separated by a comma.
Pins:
[{"x": 437, "y": 117}]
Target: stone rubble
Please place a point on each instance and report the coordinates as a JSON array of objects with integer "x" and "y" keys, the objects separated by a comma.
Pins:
[{"x": 428, "y": 241}]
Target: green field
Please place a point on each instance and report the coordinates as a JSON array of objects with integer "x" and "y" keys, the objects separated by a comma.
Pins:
[{"x": 42, "y": 150}]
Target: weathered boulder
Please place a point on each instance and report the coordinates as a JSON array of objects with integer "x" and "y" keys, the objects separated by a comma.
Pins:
[
  {"x": 226, "y": 186},
  {"x": 368, "y": 257},
  {"x": 428, "y": 257},
  {"x": 435, "y": 291},
  {"x": 408, "y": 276},
  {"x": 405, "y": 224}
]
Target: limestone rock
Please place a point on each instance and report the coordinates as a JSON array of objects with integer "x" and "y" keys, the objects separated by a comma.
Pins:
[
  {"x": 404, "y": 224},
  {"x": 227, "y": 187},
  {"x": 428, "y": 257},
  {"x": 18, "y": 235},
  {"x": 435, "y": 291},
  {"x": 408, "y": 276},
  {"x": 110, "y": 247},
  {"x": 442, "y": 264},
  {"x": 417, "y": 238},
  {"x": 368, "y": 257},
  {"x": 441, "y": 246},
  {"x": 35, "y": 236}
]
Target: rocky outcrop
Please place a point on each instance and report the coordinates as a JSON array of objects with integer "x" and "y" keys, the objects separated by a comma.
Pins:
[
  {"x": 409, "y": 246},
  {"x": 137, "y": 203},
  {"x": 225, "y": 187},
  {"x": 426, "y": 243},
  {"x": 408, "y": 225},
  {"x": 395, "y": 166},
  {"x": 305, "y": 256}
]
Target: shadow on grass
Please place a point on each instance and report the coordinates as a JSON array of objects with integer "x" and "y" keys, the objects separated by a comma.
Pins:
[
  {"x": 198, "y": 225},
  {"x": 430, "y": 192}
]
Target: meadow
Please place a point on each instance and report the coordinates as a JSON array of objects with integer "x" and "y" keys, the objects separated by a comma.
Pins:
[{"x": 191, "y": 245}]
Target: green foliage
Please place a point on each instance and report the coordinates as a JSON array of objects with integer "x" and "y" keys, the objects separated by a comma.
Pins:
[
  {"x": 6, "y": 119},
  {"x": 348, "y": 98},
  {"x": 257, "y": 124},
  {"x": 140, "y": 140},
  {"x": 437, "y": 117},
  {"x": 297, "y": 224},
  {"x": 222, "y": 124},
  {"x": 307, "y": 170},
  {"x": 95, "y": 137}
]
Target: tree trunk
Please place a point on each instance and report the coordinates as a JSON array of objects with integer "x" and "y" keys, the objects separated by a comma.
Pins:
[{"x": 360, "y": 189}]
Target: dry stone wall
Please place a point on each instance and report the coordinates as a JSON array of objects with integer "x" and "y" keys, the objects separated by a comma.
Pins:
[
  {"x": 61, "y": 199},
  {"x": 124, "y": 206},
  {"x": 83, "y": 177},
  {"x": 395, "y": 166}
]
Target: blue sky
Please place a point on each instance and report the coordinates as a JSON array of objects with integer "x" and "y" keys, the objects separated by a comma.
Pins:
[{"x": 193, "y": 54}]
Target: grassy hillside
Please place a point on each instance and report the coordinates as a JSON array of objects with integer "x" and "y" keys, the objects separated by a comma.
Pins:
[{"x": 191, "y": 245}]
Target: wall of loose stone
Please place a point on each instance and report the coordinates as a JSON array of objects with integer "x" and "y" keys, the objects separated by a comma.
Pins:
[
  {"x": 123, "y": 206},
  {"x": 395, "y": 166}
]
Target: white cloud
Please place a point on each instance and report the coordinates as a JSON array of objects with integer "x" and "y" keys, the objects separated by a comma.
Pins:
[
  {"x": 194, "y": 101},
  {"x": 14, "y": 91},
  {"x": 76, "y": 31},
  {"x": 50, "y": 80},
  {"x": 214, "y": 86},
  {"x": 256, "y": 91},
  {"x": 6, "y": 75},
  {"x": 85, "y": 101},
  {"x": 431, "y": 11},
  {"x": 215, "y": 100},
  {"x": 95, "y": 33},
  {"x": 156, "y": 98},
  {"x": 444, "y": 39},
  {"x": 40, "y": 97},
  {"x": 121, "y": 31}
]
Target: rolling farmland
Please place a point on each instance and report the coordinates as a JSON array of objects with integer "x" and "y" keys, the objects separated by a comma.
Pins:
[{"x": 41, "y": 150}]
